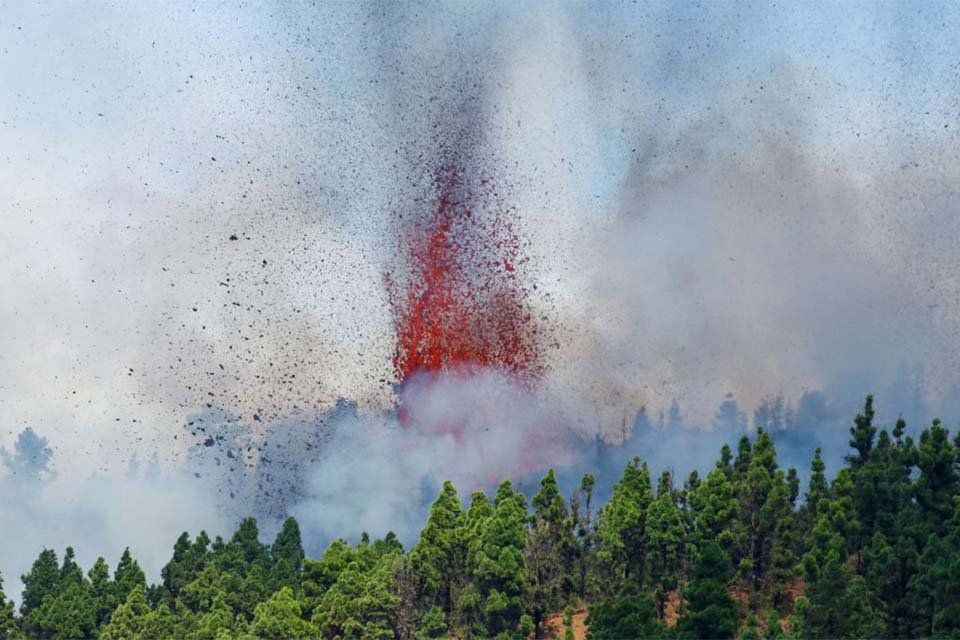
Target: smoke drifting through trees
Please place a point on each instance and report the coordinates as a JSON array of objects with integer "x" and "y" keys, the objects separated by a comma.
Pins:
[{"x": 727, "y": 553}]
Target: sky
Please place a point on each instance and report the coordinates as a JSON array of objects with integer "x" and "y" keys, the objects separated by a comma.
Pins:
[{"x": 745, "y": 198}]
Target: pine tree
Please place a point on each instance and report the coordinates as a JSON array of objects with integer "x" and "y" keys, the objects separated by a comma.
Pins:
[
  {"x": 440, "y": 555},
  {"x": 404, "y": 589},
  {"x": 43, "y": 579},
  {"x": 861, "y": 436},
  {"x": 827, "y": 581},
  {"x": 887, "y": 568},
  {"x": 946, "y": 617},
  {"x": 549, "y": 552},
  {"x": 938, "y": 481},
  {"x": 817, "y": 490},
  {"x": 744, "y": 453},
  {"x": 213, "y": 582},
  {"x": 785, "y": 545},
  {"x": 667, "y": 544},
  {"x": 621, "y": 526},
  {"x": 631, "y": 614},
  {"x": 254, "y": 588},
  {"x": 7, "y": 621},
  {"x": 872, "y": 493},
  {"x": 479, "y": 511},
  {"x": 581, "y": 507},
  {"x": 715, "y": 507},
  {"x": 172, "y": 581},
  {"x": 841, "y": 512},
  {"x": 246, "y": 541},
  {"x": 71, "y": 614},
  {"x": 866, "y": 472},
  {"x": 933, "y": 592},
  {"x": 319, "y": 575},
  {"x": 433, "y": 624},
  {"x": 129, "y": 619},
  {"x": 280, "y": 617},
  {"x": 468, "y": 611},
  {"x": 879, "y": 549},
  {"x": 163, "y": 623},
  {"x": 102, "y": 590},
  {"x": 835, "y": 604},
  {"x": 127, "y": 576},
  {"x": 287, "y": 555},
  {"x": 495, "y": 561},
  {"x": 862, "y": 620},
  {"x": 711, "y": 612},
  {"x": 69, "y": 609},
  {"x": 70, "y": 571},
  {"x": 360, "y": 603},
  {"x": 216, "y": 622},
  {"x": 763, "y": 500}
]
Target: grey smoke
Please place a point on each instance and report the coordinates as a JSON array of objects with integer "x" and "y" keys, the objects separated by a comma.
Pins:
[{"x": 719, "y": 199}]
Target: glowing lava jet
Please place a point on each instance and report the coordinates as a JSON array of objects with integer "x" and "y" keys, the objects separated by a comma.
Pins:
[{"x": 462, "y": 306}]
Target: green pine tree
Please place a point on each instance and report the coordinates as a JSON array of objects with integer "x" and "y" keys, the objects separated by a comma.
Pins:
[
  {"x": 495, "y": 562},
  {"x": 188, "y": 560},
  {"x": 217, "y": 621},
  {"x": 631, "y": 614},
  {"x": 287, "y": 555},
  {"x": 666, "y": 545},
  {"x": 102, "y": 590},
  {"x": 439, "y": 557},
  {"x": 69, "y": 613},
  {"x": 621, "y": 527},
  {"x": 360, "y": 603},
  {"x": 127, "y": 576},
  {"x": 938, "y": 483},
  {"x": 8, "y": 623},
  {"x": 280, "y": 617},
  {"x": 711, "y": 612},
  {"x": 42, "y": 580},
  {"x": 129, "y": 619},
  {"x": 550, "y": 552},
  {"x": 162, "y": 623}
]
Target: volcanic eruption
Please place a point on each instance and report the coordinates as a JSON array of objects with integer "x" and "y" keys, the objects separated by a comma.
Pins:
[
  {"x": 460, "y": 302},
  {"x": 463, "y": 305}
]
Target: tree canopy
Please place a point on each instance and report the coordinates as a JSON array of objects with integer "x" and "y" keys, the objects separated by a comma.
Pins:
[{"x": 738, "y": 552}]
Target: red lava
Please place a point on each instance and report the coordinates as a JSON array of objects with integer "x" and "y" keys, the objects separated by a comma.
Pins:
[{"x": 463, "y": 306}]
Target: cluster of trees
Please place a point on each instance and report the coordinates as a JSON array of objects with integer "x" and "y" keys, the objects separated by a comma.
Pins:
[{"x": 740, "y": 553}]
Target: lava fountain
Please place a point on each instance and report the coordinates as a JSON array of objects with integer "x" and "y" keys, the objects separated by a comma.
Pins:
[
  {"x": 461, "y": 307},
  {"x": 464, "y": 306}
]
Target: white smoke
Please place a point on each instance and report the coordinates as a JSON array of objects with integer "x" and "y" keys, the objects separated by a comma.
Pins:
[
  {"x": 100, "y": 515},
  {"x": 380, "y": 473}
]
